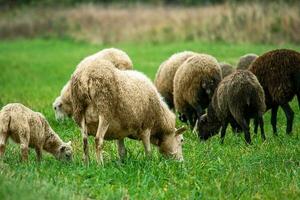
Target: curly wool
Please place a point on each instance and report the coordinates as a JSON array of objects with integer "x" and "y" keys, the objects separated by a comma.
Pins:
[
  {"x": 165, "y": 75},
  {"x": 195, "y": 82}
]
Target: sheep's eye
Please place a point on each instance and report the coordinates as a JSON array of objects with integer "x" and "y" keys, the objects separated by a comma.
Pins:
[{"x": 182, "y": 140}]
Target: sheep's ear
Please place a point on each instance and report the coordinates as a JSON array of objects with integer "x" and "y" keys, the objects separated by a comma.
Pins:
[
  {"x": 69, "y": 143},
  {"x": 203, "y": 118},
  {"x": 180, "y": 130}
]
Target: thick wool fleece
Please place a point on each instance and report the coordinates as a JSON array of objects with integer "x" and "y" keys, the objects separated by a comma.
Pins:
[
  {"x": 246, "y": 60},
  {"x": 165, "y": 75},
  {"x": 226, "y": 69}
]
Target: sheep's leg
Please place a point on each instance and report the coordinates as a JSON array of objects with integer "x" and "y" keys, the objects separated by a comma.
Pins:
[
  {"x": 261, "y": 125},
  {"x": 38, "y": 151},
  {"x": 223, "y": 131},
  {"x": 274, "y": 119},
  {"x": 256, "y": 122},
  {"x": 298, "y": 97},
  {"x": 24, "y": 143},
  {"x": 146, "y": 142},
  {"x": 84, "y": 134},
  {"x": 289, "y": 113},
  {"x": 99, "y": 139},
  {"x": 121, "y": 149},
  {"x": 3, "y": 140},
  {"x": 244, "y": 123}
]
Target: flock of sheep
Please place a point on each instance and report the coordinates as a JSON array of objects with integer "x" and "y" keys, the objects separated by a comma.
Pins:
[{"x": 110, "y": 101}]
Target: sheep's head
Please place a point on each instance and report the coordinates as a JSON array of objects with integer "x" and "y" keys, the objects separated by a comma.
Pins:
[
  {"x": 62, "y": 108},
  {"x": 207, "y": 128},
  {"x": 65, "y": 152},
  {"x": 171, "y": 145}
]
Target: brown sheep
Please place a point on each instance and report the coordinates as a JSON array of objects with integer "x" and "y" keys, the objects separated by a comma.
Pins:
[
  {"x": 238, "y": 98},
  {"x": 278, "y": 72},
  {"x": 165, "y": 75},
  {"x": 194, "y": 84},
  {"x": 226, "y": 69},
  {"x": 246, "y": 60},
  {"x": 113, "y": 104},
  {"x": 30, "y": 129}
]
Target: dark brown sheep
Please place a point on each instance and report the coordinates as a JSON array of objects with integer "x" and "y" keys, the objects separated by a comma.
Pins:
[
  {"x": 278, "y": 72},
  {"x": 246, "y": 60},
  {"x": 238, "y": 98}
]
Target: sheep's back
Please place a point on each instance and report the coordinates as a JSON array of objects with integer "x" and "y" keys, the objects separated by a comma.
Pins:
[{"x": 275, "y": 71}]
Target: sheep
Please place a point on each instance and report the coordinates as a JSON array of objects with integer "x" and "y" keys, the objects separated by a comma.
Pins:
[
  {"x": 62, "y": 104},
  {"x": 194, "y": 84},
  {"x": 30, "y": 129},
  {"x": 165, "y": 75},
  {"x": 226, "y": 69},
  {"x": 238, "y": 98},
  {"x": 278, "y": 72},
  {"x": 246, "y": 60},
  {"x": 112, "y": 104}
]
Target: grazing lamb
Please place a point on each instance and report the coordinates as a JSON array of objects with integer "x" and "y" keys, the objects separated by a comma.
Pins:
[
  {"x": 246, "y": 60},
  {"x": 226, "y": 69},
  {"x": 278, "y": 72},
  {"x": 63, "y": 105},
  {"x": 30, "y": 129},
  {"x": 238, "y": 98},
  {"x": 194, "y": 84},
  {"x": 165, "y": 75},
  {"x": 112, "y": 104}
]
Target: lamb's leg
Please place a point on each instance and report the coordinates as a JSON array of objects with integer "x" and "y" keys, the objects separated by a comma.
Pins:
[
  {"x": 261, "y": 125},
  {"x": 121, "y": 149},
  {"x": 274, "y": 119},
  {"x": 84, "y": 134},
  {"x": 99, "y": 139},
  {"x": 24, "y": 143},
  {"x": 244, "y": 123},
  {"x": 146, "y": 142},
  {"x": 38, "y": 151},
  {"x": 3, "y": 140},
  {"x": 223, "y": 131},
  {"x": 289, "y": 113}
]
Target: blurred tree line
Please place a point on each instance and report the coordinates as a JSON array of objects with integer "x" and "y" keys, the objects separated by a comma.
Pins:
[{"x": 13, "y": 3}]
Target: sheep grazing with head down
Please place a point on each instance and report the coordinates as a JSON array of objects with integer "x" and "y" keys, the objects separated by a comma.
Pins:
[
  {"x": 226, "y": 69},
  {"x": 246, "y": 60},
  {"x": 194, "y": 84},
  {"x": 278, "y": 72},
  {"x": 165, "y": 75},
  {"x": 63, "y": 105},
  {"x": 30, "y": 129},
  {"x": 238, "y": 98},
  {"x": 112, "y": 104}
]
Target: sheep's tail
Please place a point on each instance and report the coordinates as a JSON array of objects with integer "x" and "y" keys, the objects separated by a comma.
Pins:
[{"x": 4, "y": 122}]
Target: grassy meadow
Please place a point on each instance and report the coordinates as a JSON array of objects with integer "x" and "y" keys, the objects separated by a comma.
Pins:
[{"x": 33, "y": 72}]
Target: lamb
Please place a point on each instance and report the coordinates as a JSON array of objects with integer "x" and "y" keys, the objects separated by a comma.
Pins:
[
  {"x": 238, "y": 98},
  {"x": 30, "y": 129},
  {"x": 278, "y": 72},
  {"x": 246, "y": 60},
  {"x": 194, "y": 84},
  {"x": 112, "y": 104},
  {"x": 63, "y": 105},
  {"x": 165, "y": 75},
  {"x": 226, "y": 69}
]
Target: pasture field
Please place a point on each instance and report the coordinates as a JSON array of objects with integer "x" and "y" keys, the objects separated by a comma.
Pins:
[{"x": 33, "y": 72}]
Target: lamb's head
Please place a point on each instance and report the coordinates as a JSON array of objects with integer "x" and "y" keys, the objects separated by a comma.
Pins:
[
  {"x": 65, "y": 151},
  {"x": 171, "y": 145},
  {"x": 62, "y": 108},
  {"x": 207, "y": 128}
]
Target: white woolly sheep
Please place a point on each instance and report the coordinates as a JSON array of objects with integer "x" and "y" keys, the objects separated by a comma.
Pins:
[
  {"x": 30, "y": 129},
  {"x": 113, "y": 104},
  {"x": 194, "y": 84},
  {"x": 165, "y": 75},
  {"x": 63, "y": 105}
]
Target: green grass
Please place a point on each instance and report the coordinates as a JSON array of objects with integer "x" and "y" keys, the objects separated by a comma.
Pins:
[{"x": 33, "y": 72}]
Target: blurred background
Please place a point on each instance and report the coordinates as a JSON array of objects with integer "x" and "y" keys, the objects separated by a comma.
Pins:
[{"x": 157, "y": 21}]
